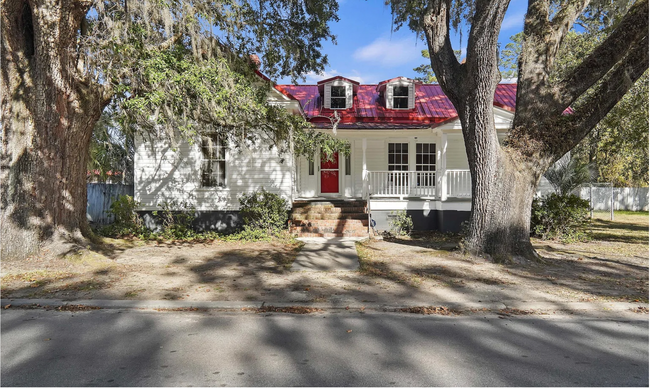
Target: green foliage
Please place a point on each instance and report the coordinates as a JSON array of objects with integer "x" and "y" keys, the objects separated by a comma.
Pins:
[
  {"x": 562, "y": 217},
  {"x": 264, "y": 211},
  {"x": 123, "y": 209},
  {"x": 568, "y": 174},
  {"x": 401, "y": 224},
  {"x": 509, "y": 56},
  {"x": 110, "y": 152},
  {"x": 176, "y": 218}
]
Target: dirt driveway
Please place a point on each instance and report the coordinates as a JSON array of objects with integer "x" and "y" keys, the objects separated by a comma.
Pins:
[{"x": 423, "y": 269}]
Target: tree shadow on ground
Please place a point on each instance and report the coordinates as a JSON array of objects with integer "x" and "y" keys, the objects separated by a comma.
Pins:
[{"x": 138, "y": 348}]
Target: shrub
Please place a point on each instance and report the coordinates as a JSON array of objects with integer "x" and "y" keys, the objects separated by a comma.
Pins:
[
  {"x": 265, "y": 211},
  {"x": 401, "y": 223},
  {"x": 176, "y": 218},
  {"x": 126, "y": 221},
  {"x": 562, "y": 217},
  {"x": 123, "y": 210}
]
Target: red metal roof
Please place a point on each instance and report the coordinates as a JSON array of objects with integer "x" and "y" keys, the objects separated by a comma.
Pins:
[{"x": 431, "y": 106}]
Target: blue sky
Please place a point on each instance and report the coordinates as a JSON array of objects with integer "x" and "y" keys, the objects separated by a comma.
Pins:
[{"x": 367, "y": 51}]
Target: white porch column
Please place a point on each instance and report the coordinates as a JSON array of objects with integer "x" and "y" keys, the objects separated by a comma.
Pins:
[
  {"x": 442, "y": 172},
  {"x": 364, "y": 174}
]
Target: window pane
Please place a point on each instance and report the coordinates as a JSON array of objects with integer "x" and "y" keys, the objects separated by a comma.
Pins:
[
  {"x": 401, "y": 91},
  {"x": 391, "y": 147},
  {"x": 405, "y": 147},
  {"x": 348, "y": 165},
  {"x": 338, "y": 103},
  {"x": 338, "y": 91},
  {"x": 391, "y": 158},
  {"x": 400, "y": 102},
  {"x": 311, "y": 167},
  {"x": 398, "y": 147},
  {"x": 405, "y": 159}
]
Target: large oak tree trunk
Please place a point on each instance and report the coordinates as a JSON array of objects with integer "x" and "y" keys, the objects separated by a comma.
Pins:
[
  {"x": 48, "y": 117},
  {"x": 504, "y": 178}
]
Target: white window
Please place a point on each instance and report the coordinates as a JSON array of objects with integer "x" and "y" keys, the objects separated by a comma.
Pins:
[
  {"x": 400, "y": 95},
  {"x": 213, "y": 164},
  {"x": 338, "y": 95},
  {"x": 398, "y": 156},
  {"x": 338, "y": 99},
  {"x": 425, "y": 164}
]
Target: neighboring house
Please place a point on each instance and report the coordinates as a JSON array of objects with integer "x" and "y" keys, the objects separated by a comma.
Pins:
[{"x": 407, "y": 153}]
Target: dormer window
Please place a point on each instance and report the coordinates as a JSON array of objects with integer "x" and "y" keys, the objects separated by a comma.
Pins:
[
  {"x": 337, "y": 92},
  {"x": 338, "y": 97},
  {"x": 398, "y": 93}
]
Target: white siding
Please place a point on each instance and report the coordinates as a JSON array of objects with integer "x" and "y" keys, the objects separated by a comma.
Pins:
[
  {"x": 456, "y": 155},
  {"x": 166, "y": 174}
]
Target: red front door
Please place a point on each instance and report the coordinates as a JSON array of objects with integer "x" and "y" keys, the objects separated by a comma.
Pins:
[{"x": 329, "y": 174}]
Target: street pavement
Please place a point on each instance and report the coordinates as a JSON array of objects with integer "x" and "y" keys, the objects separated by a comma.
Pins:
[{"x": 117, "y": 347}]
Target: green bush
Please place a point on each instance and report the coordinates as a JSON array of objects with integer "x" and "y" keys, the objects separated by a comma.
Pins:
[
  {"x": 123, "y": 211},
  {"x": 401, "y": 223},
  {"x": 176, "y": 218},
  {"x": 262, "y": 210},
  {"x": 126, "y": 221},
  {"x": 562, "y": 217}
]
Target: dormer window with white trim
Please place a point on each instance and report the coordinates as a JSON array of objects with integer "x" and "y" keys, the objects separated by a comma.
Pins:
[
  {"x": 398, "y": 93},
  {"x": 337, "y": 92}
]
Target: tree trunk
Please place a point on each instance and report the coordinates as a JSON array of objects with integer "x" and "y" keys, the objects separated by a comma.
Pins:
[
  {"x": 48, "y": 117},
  {"x": 503, "y": 183}
]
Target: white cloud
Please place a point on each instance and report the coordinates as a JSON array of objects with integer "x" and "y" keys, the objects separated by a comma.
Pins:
[
  {"x": 389, "y": 53},
  {"x": 313, "y": 77},
  {"x": 516, "y": 20}
]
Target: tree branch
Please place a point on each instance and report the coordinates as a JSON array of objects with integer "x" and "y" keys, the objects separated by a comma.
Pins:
[
  {"x": 443, "y": 60},
  {"x": 625, "y": 38},
  {"x": 605, "y": 96}
]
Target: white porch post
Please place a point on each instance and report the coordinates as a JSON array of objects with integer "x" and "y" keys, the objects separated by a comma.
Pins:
[
  {"x": 364, "y": 174},
  {"x": 442, "y": 173}
]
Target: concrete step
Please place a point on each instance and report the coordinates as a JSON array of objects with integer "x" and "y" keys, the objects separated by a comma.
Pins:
[{"x": 360, "y": 234}]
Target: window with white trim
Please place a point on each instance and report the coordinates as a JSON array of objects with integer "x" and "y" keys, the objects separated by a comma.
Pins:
[
  {"x": 398, "y": 156},
  {"x": 425, "y": 164},
  {"x": 213, "y": 164},
  {"x": 338, "y": 99},
  {"x": 400, "y": 97}
]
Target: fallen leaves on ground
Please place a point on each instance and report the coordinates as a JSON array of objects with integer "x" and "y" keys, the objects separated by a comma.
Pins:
[
  {"x": 640, "y": 310},
  {"x": 512, "y": 311},
  {"x": 288, "y": 309},
  {"x": 77, "y": 307},
  {"x": 181, "y": 309},
  {"x": 428, "y": 310}
]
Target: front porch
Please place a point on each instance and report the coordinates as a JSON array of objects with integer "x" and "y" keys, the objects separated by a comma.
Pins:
[{"x": 413, "y": 165}]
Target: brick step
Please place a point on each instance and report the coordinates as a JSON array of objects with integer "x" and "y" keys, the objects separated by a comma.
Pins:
[
  {"x": 329, "y": 216},
  {"x": 333, "y": 203},
  {"x": 329, "y": 235},
  {"x": 328, "y": 209},
  {"x": 331, "y": 223},
  {"x": 346, "y": 231}
]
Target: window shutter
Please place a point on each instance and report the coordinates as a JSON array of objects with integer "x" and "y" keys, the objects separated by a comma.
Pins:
[
  {"x": 348, "y": 96},
  {"x": 389, "y": 96},
  {"x": 328, "y": 96},
  {"x": 411, "y": 95}
]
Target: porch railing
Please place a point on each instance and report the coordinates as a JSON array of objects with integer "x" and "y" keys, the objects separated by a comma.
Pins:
[
  {"x": 459, "y": 183},
  {"x": 402, "y": 183},
  {"x": 453, "y": 183}
]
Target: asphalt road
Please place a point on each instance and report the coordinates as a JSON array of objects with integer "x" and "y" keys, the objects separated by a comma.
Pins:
[{"x": 149, "y": 348}]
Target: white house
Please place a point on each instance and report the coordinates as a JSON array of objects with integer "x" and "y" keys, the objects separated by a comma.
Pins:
[{"x": 407, "y": 153}]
